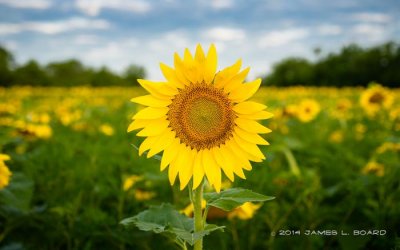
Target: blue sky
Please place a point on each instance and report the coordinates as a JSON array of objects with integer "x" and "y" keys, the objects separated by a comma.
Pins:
[{"x": 117, "y": 33}]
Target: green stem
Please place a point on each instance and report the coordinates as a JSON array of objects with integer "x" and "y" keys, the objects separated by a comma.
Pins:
[{"x": 198, "y": 216}]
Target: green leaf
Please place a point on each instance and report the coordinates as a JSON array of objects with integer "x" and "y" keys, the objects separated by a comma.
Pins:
[
  {"x": 234, "y": 197},
  {"x": 18, "y": 195},
  {"x": 165, "y": 219}
]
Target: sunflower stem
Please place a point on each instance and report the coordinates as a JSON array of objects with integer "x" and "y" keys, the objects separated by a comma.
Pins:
[{"x": 198, "y": 216}]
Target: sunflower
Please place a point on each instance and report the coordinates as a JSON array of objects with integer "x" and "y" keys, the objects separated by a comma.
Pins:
[
  {"x": 5, "y": 173},
  {"x": 375, "y": 98},
  {"x": 201, "y": 120},
  {"x": 307, "y": 110}
]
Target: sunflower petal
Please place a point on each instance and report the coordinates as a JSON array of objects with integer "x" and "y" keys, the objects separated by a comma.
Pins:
[
  {"x": 177, "y": 163},
  {"x": 179, "y": 70},
  {"x": 249, "y": 147},
  {"x": 250, "y": 137},
  {"x": 137, "y": 124},
  {"x": 251, "y": 126},
  {"x": 261, "y": 115},
  {"x": 169, "y": 154},
  {"x": 146, "y": 144},
  {"x": 154, "y": 128},
  {"x": 211, "y": 64},
  {"x": 151, "y": 113},
  {"x": 186, "y": 172},
  {"x": 210, "y": 166},
  {"x": 223, "y": 77},
  {"x": 151, "y": 101},
  {"x": 165, "y": 139},
  {"x": 242, "y": 158},
  {"x": 200, "y": 60},
  {"x": 245, "y": 91},
  {"x": 160, "y": 89},
  {"x": 236, "y": 81},
  {"x": 219, "y": 158},
  {"x": 170, "y": 74},
  {"x": 248, "y": 107},
  {"x": 198, "y": 170},
  {"x": 232, "y": 160}
]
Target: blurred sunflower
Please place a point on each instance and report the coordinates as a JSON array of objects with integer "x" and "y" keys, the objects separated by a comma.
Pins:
[
  {"x": 375, "y": 98},
  {"x": 5, "y": 173},
  {"x": 374, "y": 167},
  {"x": 201, "y": 119},
  {"x": 307, "y": 110}
]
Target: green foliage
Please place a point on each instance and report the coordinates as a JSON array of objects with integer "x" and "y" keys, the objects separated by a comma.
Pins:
[
  {"x": 234, "y": 197},
  {"x": 352, "y": 66},
  {"x": 165, "y": 219}
]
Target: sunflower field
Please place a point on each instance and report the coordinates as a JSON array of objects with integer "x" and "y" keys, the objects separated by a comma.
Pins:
[{"x": 70, "y": 172}]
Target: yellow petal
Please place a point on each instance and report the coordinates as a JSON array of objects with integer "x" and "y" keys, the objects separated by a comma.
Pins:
[
  {"x": 248, "y": 107},
  {"x": 261, "y": 115},
  {"x": 158, "y": 89},
  {"x": 219, "y": 158},
  {"x": 241, "y": 156},
  {"x": 210, "y": 166},
  {"x": 250, "y": 137},
  {"x": 245, "y": 91},
  {"x": 186, "y": 171},
  {"x": 136, "y": 124},
  {"x": 151, "y": 101},
  {"x": 179, "y": 70},
  {"x": 190, "y": 69},
  {"x": 169, "y": 154},
  {"x": 200, "y": 60},
  {"x": 151, "y": 113},
  {"x": 170, "y": 74},
  {"x": 223, "y": 77},
  {"x": 217, "y": 180},
  {"x": 249, "y": 147},
  {"x": 154, "y": 128},
  {"x": 146, "y": 144},
  {"x": 198, "y": 171},
  {"x": 162, "y": 143},
  {"x": 211, "y": 64},
  {"x": 179, "y": 162},
  {"x": 251, "y": 126},
  {"x": 232, "y": 161},
  {"x": 236, "y": 81},
  {"x": 4, "y": 157}
]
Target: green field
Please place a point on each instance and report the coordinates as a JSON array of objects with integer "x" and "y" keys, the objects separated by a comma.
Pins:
[{"x": 333, "y": 166}]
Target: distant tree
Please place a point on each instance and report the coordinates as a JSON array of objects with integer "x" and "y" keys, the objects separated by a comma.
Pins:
[
  {"x": 69, "y": 73},
  {"x": 104, "y": 77},
  {"x": 31, "y": 74},
  {"x": 6, "y": 65},
  {"x": 291, "y": 71},
  {"x": 134, "y": 72}
]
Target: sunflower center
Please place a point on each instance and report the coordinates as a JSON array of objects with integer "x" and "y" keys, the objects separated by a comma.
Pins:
[
  {"x": 376, "y": 98},
  {"x": 201, "y": 116}
]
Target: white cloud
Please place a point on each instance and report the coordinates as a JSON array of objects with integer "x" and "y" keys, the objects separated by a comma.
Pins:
[
  {"x": 86, "y": 40},
  {"x": 53, "y": 27},
  {"x": 224, "y": 34},
  {"x": 282, "y": 37},
  {"x": 329, "y": 29},
  {"x": 28, "y": 4},
  {"x": 94, "y": 7},
  {"x": 221, "y": 4},
  {"x": 372, "y": 17},
  {"x": 369, "y": 30}
]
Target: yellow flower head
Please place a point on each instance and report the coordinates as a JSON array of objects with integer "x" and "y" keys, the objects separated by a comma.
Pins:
[
  {"x": 106, "y": 129},
  {"x": 201, "y": 119},
  {"x": 245, "y": 211},
  {"x": 5, "y": 173},
  {"x": 373, "y": 167},
  {"x": 307, "y": 110},
  {"x": 375, "y": 98}
]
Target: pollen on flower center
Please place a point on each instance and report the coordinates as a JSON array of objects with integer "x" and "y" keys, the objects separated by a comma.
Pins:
[
  {"x": 376, "y": 98},
  {"x": 202, "y": 116}
]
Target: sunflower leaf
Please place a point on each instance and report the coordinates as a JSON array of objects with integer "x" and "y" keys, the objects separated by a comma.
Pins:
[
  {"x": 165, "y": 219},
  {"x": 234, "y": 197}
]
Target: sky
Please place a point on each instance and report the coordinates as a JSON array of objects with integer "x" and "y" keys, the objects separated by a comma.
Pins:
[{"x": 117, "y": 33}]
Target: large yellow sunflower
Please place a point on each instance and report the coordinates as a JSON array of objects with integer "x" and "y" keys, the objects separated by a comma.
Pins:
[
  {"x": 201, "y": 119},
  {"x": 375, "y": 98}
]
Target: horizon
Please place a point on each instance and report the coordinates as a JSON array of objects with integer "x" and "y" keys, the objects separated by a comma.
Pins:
[{"x": 119, "y": 33}]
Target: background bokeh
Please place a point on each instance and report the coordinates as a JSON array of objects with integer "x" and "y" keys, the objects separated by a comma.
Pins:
[{"x": 330, "y": 76}]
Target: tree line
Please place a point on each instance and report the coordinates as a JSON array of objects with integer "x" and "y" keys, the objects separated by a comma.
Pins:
[
  {"x": 351, "y": 66},
  {"x": 63, "y": 73}
]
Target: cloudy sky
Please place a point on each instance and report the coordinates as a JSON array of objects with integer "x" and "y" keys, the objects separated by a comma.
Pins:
[{"x": 117, "y": 33}]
